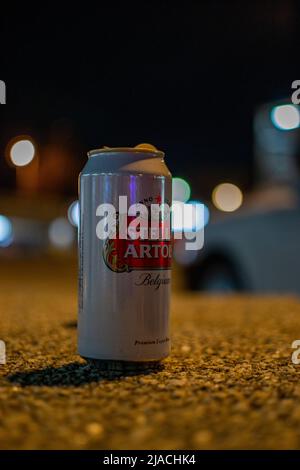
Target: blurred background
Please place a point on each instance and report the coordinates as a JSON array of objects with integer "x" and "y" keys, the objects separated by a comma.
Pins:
[{"x": 209, "y": 83}]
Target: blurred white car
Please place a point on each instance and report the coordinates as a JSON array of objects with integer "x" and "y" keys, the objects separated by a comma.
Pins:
[{"x": 258, "y": 252}]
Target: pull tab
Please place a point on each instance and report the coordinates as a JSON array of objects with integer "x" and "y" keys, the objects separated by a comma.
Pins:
[{"x": 146, "y": 147}]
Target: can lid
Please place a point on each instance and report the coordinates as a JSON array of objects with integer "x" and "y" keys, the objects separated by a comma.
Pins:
[{"x": 141, "y": 148}]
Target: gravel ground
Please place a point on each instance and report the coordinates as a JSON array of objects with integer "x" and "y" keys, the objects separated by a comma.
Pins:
[{"x": 229, "y": 382}]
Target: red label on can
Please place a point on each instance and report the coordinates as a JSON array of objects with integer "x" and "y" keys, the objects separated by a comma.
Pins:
[
  {"x": 130, "y": 255},
  {"x": 142, "y": 254}
]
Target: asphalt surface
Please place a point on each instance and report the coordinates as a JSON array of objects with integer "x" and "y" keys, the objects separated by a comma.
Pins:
[{"x": 229, "y": 383}]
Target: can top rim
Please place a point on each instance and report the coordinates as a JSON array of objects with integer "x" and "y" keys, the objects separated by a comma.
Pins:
[{"x": 105, "y": 150}]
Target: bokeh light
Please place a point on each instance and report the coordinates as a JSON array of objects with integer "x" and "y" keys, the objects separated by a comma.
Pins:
[
  {"x": 286, "y": 117},
  {"x": 61, "y": 233},
  {"x": 181, "y": 190},
  {"x": 194, "y": 216},
  {"x": 227, "y": 197},
  {"x": 22, "y": 152},
  {"x": 73, "y": 213},
  {"x": 200, "y": 215},
  {"x": 177, "y": 220},
  {"x": 6, "y": 231}
]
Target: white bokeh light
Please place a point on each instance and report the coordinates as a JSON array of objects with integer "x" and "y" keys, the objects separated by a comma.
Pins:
[
  {"x": 73, "y": 213},
  {"x": 194, "y": 216},
  {"x": 200, "y": 215},
  {"x": 61, "y": 233},
  {"x": 286, "y": 117},
  {"x": 6, "y": 231},
  {"x": 181, "y": 190},
  {"x": 227, "y": 197},
  {"x": 22, "y": 152}
]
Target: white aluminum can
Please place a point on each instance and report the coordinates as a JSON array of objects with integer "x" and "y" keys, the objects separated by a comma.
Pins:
[{"x": 123, "y": 301}]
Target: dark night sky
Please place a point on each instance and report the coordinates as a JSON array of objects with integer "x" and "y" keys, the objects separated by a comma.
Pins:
[{"x": 184, "y": 76}]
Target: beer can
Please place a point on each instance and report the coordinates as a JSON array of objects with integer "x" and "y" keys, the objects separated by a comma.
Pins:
[{"x": 124, "y": 284}]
